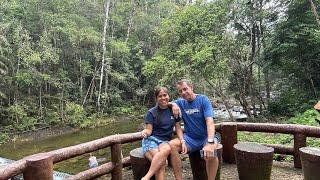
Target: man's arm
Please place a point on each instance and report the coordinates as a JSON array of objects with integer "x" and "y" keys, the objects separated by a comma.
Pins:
[
  {"x": 211, "y": 129},
  {"x": 209, "y": 148},
  {"x": 176, "y": 111}
]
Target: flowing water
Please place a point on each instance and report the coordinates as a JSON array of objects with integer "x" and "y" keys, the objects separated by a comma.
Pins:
[{"x": 18, "y": 149}]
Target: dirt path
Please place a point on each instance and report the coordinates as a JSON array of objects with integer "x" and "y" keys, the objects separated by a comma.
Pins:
[{"x": 280, "y": 171}]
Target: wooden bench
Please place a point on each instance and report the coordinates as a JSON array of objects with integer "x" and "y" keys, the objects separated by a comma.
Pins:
[
  {"x": 198, "y": 165},
  {"x": 310, "y": 161},
  {"x": 254, "y": 161}
]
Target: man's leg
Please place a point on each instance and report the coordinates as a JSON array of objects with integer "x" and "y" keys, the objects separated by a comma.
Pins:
[
  {"x": 175, "y": 159},
  {"x": 158, "y": 159},
  {"x": 212, "y": 167}
]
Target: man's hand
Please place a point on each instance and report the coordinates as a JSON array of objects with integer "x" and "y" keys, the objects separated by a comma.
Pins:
[
  {"x": 184, "y": 148},
  {"x": 209, "y": 150},
  {"x": 176, "y": 111}
]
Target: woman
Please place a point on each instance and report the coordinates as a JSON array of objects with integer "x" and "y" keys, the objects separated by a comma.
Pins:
[{"x": 157, "y": 134}]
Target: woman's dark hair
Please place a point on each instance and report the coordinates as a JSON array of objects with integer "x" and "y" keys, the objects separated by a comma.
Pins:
[
  {"x": 158, "y": 89},
  {"x": 156, "y": 93}
]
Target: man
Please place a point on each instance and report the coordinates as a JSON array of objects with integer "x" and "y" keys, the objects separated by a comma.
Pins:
[{"x": 197, "y": 114}]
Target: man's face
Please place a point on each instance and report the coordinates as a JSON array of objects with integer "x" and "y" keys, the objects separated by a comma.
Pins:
[{"x": 186, "y": 91}]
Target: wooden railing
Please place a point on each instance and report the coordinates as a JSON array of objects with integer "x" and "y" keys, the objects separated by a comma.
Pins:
[
  {"x": 41, "y": 165},
  {"x": 300, "y": 133}
]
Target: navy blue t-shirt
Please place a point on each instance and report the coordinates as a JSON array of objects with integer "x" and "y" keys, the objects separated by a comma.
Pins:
[{"x": 162, "y": 121}]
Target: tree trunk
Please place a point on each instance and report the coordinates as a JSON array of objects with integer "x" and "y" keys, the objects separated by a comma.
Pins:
[
  {"x": 267, "y": 81},
  {"x": 314, "y": 12},
  {"x": 104, "y": 50},
  {"x": 222, "y": 96},
  {"x": 130, "y": 24},
  {"x": 81, "y": 77},
  {"x": 40, "y": 101}
]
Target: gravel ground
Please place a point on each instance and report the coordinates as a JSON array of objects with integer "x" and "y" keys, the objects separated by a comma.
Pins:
[{"x": 280, "y": 171}]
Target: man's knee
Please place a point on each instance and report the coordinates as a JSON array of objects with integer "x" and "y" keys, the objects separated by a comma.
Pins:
[
  {"x": 175, "y": 144},
  {"x": 212, "y": 160}
]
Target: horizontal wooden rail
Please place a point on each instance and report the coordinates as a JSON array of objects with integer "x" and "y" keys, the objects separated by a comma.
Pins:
[
  {"x": 99, "y": 171},
  {"x": 280, "y": 149},
  {"x": 309, "y": 131}
]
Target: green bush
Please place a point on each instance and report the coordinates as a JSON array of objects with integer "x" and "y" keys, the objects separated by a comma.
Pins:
[
  {"x": 4, "y": 137},
  {"x": 20, "y": 118},
  {"x": 52, "y": 117},
  {"x": 307, "y": 118},
  {"x": 17, "y": 112},
  {"x": 290, "y": 102},
  {"x": 74, "y": 114}
]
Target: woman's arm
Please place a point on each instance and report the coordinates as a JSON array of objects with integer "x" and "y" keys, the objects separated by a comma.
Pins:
[{"x": 147, "y": 131}]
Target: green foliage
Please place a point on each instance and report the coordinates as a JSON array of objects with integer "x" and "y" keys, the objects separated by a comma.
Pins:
[
  {"x": 266, "y": 138},
  {"x": 307, "y": 118},
  {"x": 52, "y": 117},
  {"x": 190, "y": 45},
  {"x": 74, "y": 114},
  {"x": 51, "y": 52},
  {"x": 294, "y": 49},
  {"x": 290, "y": 102},
  {"x": 17, "y": 112},
  {"x": 4, "y": 137},
  {"x": 20, "y": 115},
  {"x": 127, "y": 110}
]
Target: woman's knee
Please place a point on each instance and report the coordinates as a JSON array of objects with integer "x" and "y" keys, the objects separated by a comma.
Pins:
[{"x": 165, "y": 148}]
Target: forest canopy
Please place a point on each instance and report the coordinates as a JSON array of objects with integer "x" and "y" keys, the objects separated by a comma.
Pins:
[{"x": 69, "y": 61}]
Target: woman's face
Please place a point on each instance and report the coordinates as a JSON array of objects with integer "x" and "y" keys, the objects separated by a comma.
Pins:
[{"x": 163, "y": 98}]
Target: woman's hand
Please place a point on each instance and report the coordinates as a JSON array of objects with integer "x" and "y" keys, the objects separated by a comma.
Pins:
[{"x": 145, "y": 133}]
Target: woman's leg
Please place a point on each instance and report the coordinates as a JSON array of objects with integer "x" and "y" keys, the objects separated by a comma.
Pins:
[
  {"x": 176, "y": 164},
  {"x": 161, "y": 173},
  {"x": 158, "y": 159}
]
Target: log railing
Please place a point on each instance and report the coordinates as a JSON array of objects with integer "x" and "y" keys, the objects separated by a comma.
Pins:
[
  {"x": 42, "y": 163},
  {"x": 300, "y": 133},
  {"x": 40, "y": 166}
]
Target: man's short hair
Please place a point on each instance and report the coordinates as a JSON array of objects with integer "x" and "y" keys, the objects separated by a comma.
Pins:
[{"x": 181, "y": 81}]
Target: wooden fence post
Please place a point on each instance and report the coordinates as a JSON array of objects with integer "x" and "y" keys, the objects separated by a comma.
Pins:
[
  {"x": 228, "y": 140},
  {"x": 39, "y": 167},
  {"x": 300, "y": 140},
  {"x": 116, "y": 160}
]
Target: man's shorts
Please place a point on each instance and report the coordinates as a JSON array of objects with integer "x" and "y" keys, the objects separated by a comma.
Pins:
[
  {"x": 150, "y": 143},
  {"x": 197, "y": 144}
]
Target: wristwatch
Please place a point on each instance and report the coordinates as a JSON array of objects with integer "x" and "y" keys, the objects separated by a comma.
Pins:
[{"x": 212, "y": 140}]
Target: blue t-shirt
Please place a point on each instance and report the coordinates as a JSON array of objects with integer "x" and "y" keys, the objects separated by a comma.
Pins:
[
  {"x": 162, "y": 121},
  {"x": 194, "y": 115}
]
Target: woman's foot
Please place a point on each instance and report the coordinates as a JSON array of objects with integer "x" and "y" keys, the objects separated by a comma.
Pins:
[{"x": 144, "y": 178}]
